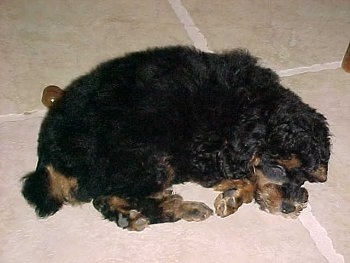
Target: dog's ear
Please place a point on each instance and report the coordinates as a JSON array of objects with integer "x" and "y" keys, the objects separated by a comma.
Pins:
[{"x": 51, "y": 94}]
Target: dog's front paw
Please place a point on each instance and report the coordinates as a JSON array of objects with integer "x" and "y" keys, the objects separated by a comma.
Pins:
[
  {"x": 227, "y": 203},
  {"x": 194, "y": 211}
]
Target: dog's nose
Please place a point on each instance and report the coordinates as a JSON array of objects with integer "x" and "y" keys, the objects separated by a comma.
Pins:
[{"x": 287, "y": 208}]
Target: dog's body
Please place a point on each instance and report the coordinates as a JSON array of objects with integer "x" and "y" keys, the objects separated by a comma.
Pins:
[{"x": 124, "y": 133}]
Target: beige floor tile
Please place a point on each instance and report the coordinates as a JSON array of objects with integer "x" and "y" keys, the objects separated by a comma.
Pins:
[
  {"x": 52, "y": 42},
  {"x": 285, "y": 34}
]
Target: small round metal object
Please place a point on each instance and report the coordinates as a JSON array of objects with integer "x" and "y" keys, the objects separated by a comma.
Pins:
[{"x": 50, "y": 95}]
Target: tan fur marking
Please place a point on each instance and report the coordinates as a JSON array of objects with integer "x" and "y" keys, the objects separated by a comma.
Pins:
[
  {"x": 271, "y": 197},
  {"x": 162, "y": 195},
  {"x": 171, "y": 205},
  {"x": 174, "y": 207},
  {"x": 227, "y": 184},
  {"x": 261, "y": 178},
  {"x": 118, "y": 204},
  {"x": 320, "y": 174},
  {"x": 61, "y": 187},
  {"x": 290, "y": 163},
  {"x": 268, "y": 194},
  {"x": 244, "y": 188}
]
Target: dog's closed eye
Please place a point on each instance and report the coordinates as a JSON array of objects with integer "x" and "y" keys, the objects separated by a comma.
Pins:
[{"x": 274, "y": 173}]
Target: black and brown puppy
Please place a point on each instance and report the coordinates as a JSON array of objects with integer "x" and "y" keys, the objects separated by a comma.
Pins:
[{"x": 124, "y": 133}]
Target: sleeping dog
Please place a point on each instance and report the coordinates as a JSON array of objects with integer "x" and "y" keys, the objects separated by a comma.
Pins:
[{"x": 123, "y": 134}]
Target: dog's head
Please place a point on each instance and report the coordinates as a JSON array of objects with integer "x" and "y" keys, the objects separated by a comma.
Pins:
[
  {"x": 275, "y": 192},
  {"x": 300, "y": 143},
  {"x": 298, "y": 150}
]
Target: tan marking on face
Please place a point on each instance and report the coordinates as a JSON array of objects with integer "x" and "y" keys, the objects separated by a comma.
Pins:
[
  {"x": 320, "y": 173},
  {"x": 262, "y": 179},
  {"x": 268, "y": 194},
  {"x": 290, "y": 163},
  {"x": 61, "y": 187}
]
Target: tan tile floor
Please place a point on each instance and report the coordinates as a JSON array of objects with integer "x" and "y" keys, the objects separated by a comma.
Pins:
[{"x": 52, "y": 42}]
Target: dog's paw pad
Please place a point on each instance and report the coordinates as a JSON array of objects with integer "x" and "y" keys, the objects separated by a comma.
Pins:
[
  {"x": 137, "y": 221},
  {"x": 140, "y": 224},
  {"x": 133, "y": 214},
  {"x": 224, "y": 207},
  {"x": 133, "y": 221}
]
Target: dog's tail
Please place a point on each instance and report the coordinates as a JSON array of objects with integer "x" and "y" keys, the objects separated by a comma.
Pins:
[{"x": 35, "y": 190}]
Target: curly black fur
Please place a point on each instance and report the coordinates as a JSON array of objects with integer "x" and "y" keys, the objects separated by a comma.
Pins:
[
  {"x": 35, "y": 190},
  {"x": 207, "y": 113}
]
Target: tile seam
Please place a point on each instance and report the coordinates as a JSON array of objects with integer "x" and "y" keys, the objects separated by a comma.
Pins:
[
  {"x": 309, "y": 69},
  {"x": 317, "y": 233},
  {"x": 320, "y": 236},
  {"x": 21, "y": 116},
  {"x": 192, "y": 30}
]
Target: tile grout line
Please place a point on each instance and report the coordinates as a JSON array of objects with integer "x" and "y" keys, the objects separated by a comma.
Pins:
[
  {"x": 309, "y": 69},
  {"x": 22, "y": 116},
  {"x": 317, "y": 233},
  {"x": 193, "y": 32}
]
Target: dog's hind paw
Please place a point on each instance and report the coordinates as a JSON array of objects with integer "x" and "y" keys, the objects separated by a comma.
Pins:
[
  {"x": 118, "y": 210},
  {"x": 134, "y": 221},
  {"x": 137, "y": 222}
]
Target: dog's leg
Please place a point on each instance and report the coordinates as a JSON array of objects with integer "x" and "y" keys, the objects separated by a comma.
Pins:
[
  {"x": 160, "y": 208},
  {"x": 168, "y": 207},
  {"x": 234, "y": 194}
]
